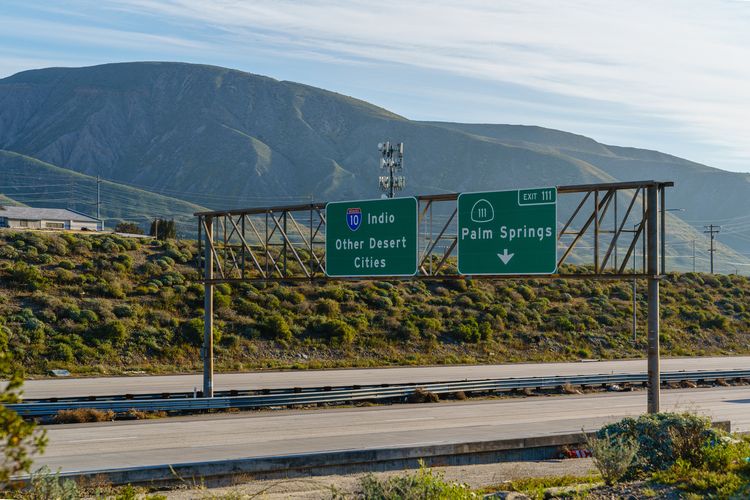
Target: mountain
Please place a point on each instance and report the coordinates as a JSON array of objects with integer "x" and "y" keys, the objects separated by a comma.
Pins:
[
  {"x": 705, "y": 195},
  {"x": 223, "y": 138},
  {"x": 43, "y": 184},
  {"x": 4, "y": 200}
]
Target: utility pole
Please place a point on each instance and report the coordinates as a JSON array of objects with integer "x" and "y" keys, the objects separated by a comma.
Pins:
[
  {"x": 98, "y": 195},
  {"x": 98, "y": 199},
  {"x": 392, "y": 160},
  {"x": 711, "y": 230}
]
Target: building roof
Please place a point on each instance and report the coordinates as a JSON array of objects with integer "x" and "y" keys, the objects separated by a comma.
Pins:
[{"x": 31, "y": 213}]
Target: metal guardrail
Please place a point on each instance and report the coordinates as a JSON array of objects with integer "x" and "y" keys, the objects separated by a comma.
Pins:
[{"x": 185, "y": 402}]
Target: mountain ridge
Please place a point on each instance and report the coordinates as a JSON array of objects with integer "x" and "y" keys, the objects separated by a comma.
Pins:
[{"x": 224, "y": 138}]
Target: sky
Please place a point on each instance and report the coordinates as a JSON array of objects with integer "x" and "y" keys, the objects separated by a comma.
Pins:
[{"x": 667, "y": 75}]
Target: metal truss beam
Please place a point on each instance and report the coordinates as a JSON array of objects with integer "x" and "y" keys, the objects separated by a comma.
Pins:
[{"x": 287, "y": 243}]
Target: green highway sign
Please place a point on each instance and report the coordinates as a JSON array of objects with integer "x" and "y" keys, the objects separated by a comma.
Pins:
[
  {"x": 371, "y": 238},
  {"x": 508, "y": 232}
]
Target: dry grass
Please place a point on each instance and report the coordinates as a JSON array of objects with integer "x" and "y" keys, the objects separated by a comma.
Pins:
[
  {"x": 83, "y": 415},
  {"x": 422, "y": 396},
  {"x": 568, "y": 388},
  {"x": 144, "y": 415}
]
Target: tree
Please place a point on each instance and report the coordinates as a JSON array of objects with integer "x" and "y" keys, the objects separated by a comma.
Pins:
[
  {"x": 19, "y": 438},
  {"x": 163, "y": 229},
  {"x": 129, "y": 228}
]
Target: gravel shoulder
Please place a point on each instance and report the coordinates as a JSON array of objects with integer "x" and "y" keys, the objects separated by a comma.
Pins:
[{"x": 319, "y": 487}]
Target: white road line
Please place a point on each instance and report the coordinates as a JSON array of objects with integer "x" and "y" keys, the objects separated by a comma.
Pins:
[
  {"x": 123, "y": 438},
  {"x": 414, "y": 419}
]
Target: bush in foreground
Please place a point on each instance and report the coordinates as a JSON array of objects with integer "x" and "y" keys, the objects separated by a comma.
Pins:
[
  {"x": 613, "y": 457},
  {"x": 662, "y": 439},
  {"x": 19, "y": 438},
  {"x": 680, "y": 450},
  {"x": 723, "y": 470},
  {"x": 424, "y": 485}
]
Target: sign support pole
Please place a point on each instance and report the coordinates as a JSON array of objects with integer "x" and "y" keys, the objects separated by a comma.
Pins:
[
  {"x": 654, "y": 376},
  {"x": 208, "y": 314}
]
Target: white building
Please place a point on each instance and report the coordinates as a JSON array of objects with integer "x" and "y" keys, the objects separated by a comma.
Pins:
[{"x": 47, "y": 218}]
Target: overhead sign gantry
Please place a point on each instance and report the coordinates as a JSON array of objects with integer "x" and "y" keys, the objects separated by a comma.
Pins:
[{"x": 493, "y": 235}]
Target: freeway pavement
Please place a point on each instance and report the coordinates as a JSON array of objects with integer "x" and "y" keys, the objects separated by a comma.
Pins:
[
  {"x": 81, "y": 447},
  {"x": 317, "y": 378}
]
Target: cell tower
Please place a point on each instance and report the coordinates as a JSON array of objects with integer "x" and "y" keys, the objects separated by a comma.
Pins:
[{"x": 392, "y": 161}]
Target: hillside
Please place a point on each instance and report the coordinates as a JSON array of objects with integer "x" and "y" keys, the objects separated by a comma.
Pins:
[
  {"x": 707, "y": 195},
  {"x": 222, "y": 138},
  {"x": 42, "y": 183},
  {"x": 107, "y": 304},
  {"x": 192, "y": 128},
  {"x": 5, "y": 200}
]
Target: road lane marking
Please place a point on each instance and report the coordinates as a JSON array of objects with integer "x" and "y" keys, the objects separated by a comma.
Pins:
[
  {"x": 97, "y": 440},
  {"x": 413, "y": 419}
]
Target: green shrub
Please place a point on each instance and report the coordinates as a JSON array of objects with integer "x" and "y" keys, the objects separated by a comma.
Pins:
[
  {"x": 467, "y": 331},
  {"x": 276, "y": 327},
  {"x": 663, "y": 438},
  {"x": 429, "y": 326},
  {"x": 88, "y": 316},
  {"x": 8, "y": 252},
  {"x": 61, "y": 352},
  {"x": 424, "y": 485},
  {"x": 112, "y": 288},
  {"x": 20, "y": 438},
  {"x": 706, "y": 483},
  {"x": 408, "y": 330},
  {"x": 334, "y": 330},
  {"x": 123, "y": 311},
  {"x": 222, "y": 301},
  {"x": 526, "y": 292},
  {"x": 191, "y": 331},
  {"x": 564, "y": 324},
  {"x": 725, "y": 453},
  {"x": 27, "y": 276},
  {"x": 4, "y": 337},
  {"x": 112, "y": 331},
  {"x": 248, "y": 308},
  {"x": 613, "y": 456},
  {"x": 230, "y": 341},
  {"x": 327, "y": 307},
  {"x": 289, "y": 294}
]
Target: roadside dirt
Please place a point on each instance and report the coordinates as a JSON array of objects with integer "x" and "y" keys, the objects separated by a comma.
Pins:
[{"x": 320, "y": 487}]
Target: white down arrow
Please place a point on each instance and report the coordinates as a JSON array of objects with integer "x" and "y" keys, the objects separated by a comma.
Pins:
[{"x": 505, "y": 256}]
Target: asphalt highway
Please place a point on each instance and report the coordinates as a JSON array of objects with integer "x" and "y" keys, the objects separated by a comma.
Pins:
[
  {"x": 306, "y": 378},
  {"x": 82, "y": 447}
]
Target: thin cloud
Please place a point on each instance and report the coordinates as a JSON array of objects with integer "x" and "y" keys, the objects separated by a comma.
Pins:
[
  {"x": 681, "y": 61},
  {"x": 678, "y": 62}
]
